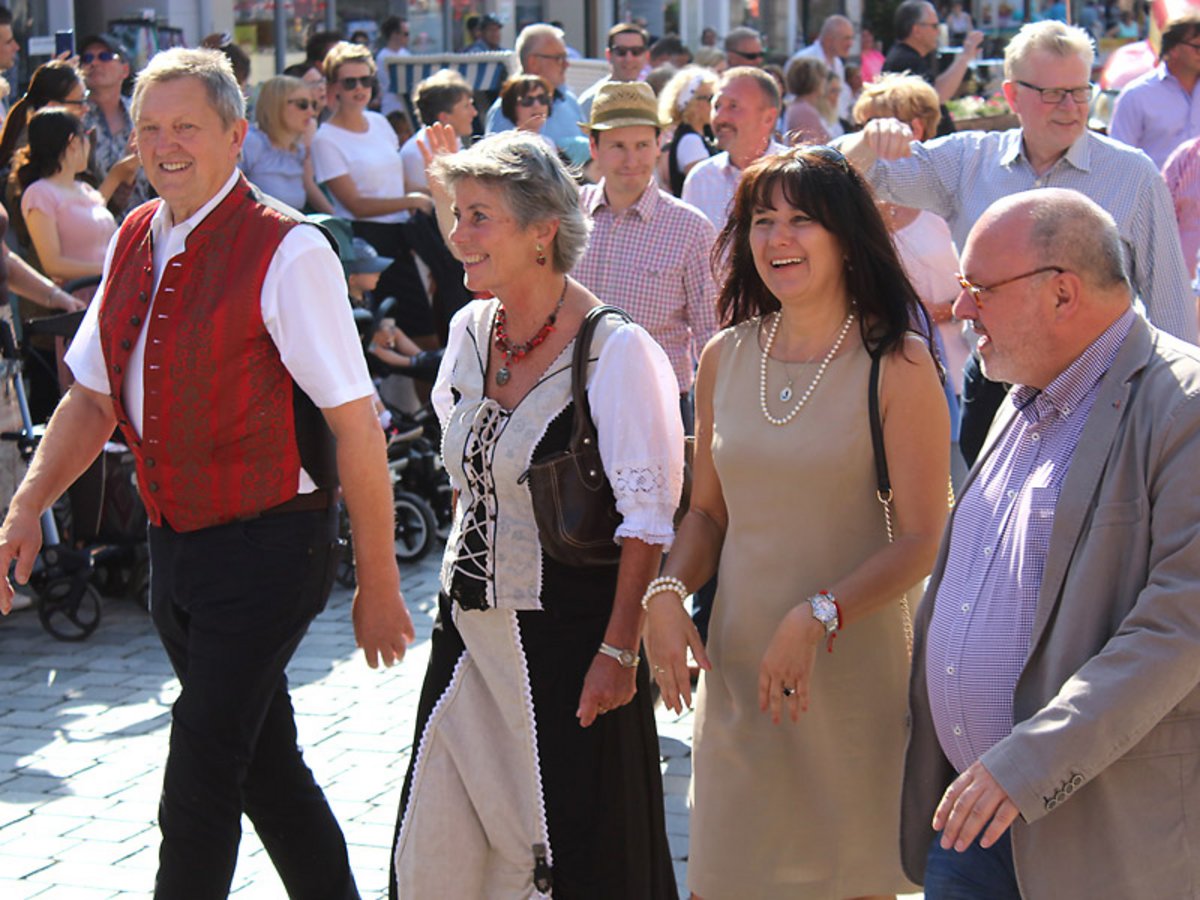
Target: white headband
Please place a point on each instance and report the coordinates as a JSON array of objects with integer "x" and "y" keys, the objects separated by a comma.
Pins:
[{"x": 689, "y": 91}]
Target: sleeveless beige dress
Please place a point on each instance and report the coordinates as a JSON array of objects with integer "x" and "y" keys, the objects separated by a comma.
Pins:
[{"x": 808, "y": 810}]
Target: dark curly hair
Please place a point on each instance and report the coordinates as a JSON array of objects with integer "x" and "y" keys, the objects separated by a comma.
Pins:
[{"x": 819, "y": 181}]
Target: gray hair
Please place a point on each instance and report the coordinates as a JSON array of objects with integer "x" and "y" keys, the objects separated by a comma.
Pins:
[
  {"x": 908, "y": 14},
  {"x": 1071, "y": 230},
  {"x": 210, "y": 67},
  {"x": 534, "y": 183},
  {"x": 1050, "y": 36},
  {"x": 530, "y": 37},
  {"x": 734, "y": 39}
]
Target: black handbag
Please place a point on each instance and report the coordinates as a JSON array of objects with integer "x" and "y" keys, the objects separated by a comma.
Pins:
[{"x": 573, "y": 502}]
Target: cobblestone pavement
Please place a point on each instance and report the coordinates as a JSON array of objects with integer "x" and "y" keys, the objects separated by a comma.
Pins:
[{"x": 83, "y": 735}]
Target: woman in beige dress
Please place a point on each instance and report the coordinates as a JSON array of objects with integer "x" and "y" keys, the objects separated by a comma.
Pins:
[{"x": 799, "y": 738}]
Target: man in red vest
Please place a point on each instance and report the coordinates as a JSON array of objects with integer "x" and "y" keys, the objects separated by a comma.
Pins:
[{"x": 223, "y": 347}]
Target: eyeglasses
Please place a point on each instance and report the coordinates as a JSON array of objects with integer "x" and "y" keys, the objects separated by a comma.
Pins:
[
  {"x": 82, "y": 102},
  {"x": 1054, "y": 96},
  {"x": 559, "y": 58},
  {"x": 301, "y": 103},
  {"x": 977, "y": 290},
  {"x": 927, "y": 24},
  {"x": 102, "y": 56},
  {"x": 627, "y": 51},
  {"x": 534, "y": 100},
  {"x": 349, "y": 84},
  {"x": 759, "y": 55}
]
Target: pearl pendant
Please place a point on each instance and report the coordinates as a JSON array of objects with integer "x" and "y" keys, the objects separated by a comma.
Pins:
[
  {"x": 785, "y": 396},
  {"x": 502, "y": 376}
]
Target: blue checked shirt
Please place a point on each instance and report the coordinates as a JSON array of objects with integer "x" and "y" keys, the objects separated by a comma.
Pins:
[
  {"x": 983, "y": 613},
  {"x": 961, "y": 175}
]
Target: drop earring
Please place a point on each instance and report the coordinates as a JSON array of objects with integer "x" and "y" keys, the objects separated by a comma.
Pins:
[{"x": 541, "y": 254}]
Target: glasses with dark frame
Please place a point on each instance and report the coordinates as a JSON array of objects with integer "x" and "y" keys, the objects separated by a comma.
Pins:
[
  {"x": 1054, "y": 96},
  {"x": 301, "y": 103},
  {"x": 976, "y": 290},
  {"x": 530, "y": 100},
  {"x": 349, "y": 84},
  {"x": 103, "y": 56},
  {"x": 622, "y": 51},
  {"x": 759, "y": 55}
]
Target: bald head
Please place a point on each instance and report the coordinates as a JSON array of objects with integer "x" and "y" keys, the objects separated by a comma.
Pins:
[{"x": 1059, "y": 227}]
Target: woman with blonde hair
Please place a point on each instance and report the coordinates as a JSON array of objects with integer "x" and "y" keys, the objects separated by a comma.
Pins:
[
  {"x": 802, "y": 120},
  {"x": 275, "y": 155},
  {"x": 685, "y": 108}
]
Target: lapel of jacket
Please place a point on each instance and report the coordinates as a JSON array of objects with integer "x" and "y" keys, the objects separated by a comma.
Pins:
[{"x": 1078, "y": 492}]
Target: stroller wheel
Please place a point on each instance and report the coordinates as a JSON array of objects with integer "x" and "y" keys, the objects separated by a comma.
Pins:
[
  {"x": 415, "y": 527},
  {"x": 65, "y": 618}
]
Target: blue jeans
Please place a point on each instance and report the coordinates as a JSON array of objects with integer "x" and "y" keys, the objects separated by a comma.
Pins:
[{"x": 975, "y": 874}]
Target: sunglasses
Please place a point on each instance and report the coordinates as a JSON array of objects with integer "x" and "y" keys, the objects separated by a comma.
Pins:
[
  {"x": 102, "y": 56},
  {"x": 301, "y": 103},
  {"x": 534, "y": 100},
  {"x": 349, "y": 84},
  {"x": 627, "y": 51},
  {"x": 759, "y": 55}
]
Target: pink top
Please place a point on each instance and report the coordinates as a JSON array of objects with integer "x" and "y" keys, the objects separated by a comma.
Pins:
[
  {"x": 85, "y": 225},
  {"x": 802, "y": 123}
]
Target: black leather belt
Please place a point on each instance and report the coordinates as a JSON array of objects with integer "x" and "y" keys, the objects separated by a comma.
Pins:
[{"x": 310, "y": 502}]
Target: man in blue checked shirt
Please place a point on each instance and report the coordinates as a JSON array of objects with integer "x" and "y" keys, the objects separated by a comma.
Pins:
[{"x": 1055, "y": 695}]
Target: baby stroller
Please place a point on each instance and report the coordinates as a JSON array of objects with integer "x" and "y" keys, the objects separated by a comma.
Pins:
[{"x": 95, "y": 538}]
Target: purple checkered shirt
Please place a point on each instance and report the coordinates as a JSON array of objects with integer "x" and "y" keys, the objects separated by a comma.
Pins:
[
  {"x": 652, "y": 261},
  {"x": 983, "y": 613}
]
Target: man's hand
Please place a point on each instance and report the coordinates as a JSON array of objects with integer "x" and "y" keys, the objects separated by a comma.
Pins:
[
  {"x": 971, "y": 44},
  {"x": 888, "y": 138},
  {"x": 20, "y": 539},
  {"x": 382, "y": 626},
  {"x": 608, "y": 685},
  {"x": 973, "y": 800}
]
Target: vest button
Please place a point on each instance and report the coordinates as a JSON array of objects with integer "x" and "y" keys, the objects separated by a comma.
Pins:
[
  {"x": 135, "y": 321},
  {"x": 126, "y": 344},
  {"x": 153, "y": 487},
  {"x": 150, "y": 463},
  {"x": 142, "y": 296},
  {"x": 117, "y": 369}
]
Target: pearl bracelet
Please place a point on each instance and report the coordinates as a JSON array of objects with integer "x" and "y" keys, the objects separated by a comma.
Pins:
[{"x": 664, "y": 584}]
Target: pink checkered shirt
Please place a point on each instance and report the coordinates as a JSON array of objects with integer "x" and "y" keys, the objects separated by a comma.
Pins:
[
  {"x": 652, "y": 261},
  {"x": 983, "y": 613}
]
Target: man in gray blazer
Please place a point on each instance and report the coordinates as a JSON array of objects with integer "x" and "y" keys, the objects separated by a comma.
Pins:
[{"x": 1055, "y": 747}]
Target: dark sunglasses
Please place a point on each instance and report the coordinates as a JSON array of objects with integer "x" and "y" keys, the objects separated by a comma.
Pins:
[
  {"x": 534, "y": 100},
  {"x": 759, "y": 55},
  {"x": 102, "y": 56},
  {"x": 349, "y": 84},
  {"x": 628, "y": 51},
  {"x": 301, "y": 103}
]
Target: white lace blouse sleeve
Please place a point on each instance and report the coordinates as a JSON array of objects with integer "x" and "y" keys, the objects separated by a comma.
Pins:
[
  {"x": 441, "y": 396},
  {"x": 634, "y": 397}
]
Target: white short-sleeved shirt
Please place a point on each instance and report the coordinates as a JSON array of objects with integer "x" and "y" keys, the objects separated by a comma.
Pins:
[
  {"x": 304, "y": 307},
  {"x": 371, "y": 158}
]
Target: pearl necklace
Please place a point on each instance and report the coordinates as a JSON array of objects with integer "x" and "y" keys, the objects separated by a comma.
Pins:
[{"x": 762, "y": 372}]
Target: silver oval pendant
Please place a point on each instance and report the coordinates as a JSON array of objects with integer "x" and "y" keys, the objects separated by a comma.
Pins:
[
  {"x": 785, "y": 396},
  {"x": 502, "y": 376}
]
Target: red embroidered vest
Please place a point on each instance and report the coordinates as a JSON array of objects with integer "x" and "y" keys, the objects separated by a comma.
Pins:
[{"x": 218, "y": 438}]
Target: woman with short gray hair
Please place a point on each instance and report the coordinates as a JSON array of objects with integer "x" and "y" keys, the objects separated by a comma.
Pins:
[{"x": 535, "y": 744}]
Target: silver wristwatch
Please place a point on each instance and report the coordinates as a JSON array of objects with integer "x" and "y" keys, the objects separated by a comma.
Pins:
[
  {"x": 825, "y": 611},
  {"x": 627, "y": 658}
]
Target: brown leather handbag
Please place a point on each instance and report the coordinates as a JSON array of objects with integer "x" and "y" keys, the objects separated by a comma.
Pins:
[{"x": 573, "y": 502}]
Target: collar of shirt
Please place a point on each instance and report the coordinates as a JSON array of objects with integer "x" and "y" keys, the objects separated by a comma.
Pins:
[
  {"x": 1065, "y": 393},
  {"x": 724, "y": 161},
  {"x": 1079, "y": 154},
  {"x": 644, "y": 206},
  {"x": 170, "y": 238}
]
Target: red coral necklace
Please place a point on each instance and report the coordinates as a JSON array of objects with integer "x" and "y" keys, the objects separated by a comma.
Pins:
[{"x": 514, "y": 353}]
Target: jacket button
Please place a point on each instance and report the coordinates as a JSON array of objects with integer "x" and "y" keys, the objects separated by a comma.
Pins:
[
  {"x": 117, "y": 369},
  {"x": 135, "y": 320},
  {"x": 126, "y": 344}
]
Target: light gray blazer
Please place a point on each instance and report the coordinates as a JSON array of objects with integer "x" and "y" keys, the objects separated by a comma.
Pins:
[{"x": 1104, "y": 758}]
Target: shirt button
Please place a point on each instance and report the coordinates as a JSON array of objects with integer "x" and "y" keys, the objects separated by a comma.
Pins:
[
  {"x": 958, "y": 730},
  {"x": 1035, "y": 437},
  {"x": 949, "y": 670},
  {"x": 1011, "y": 494},
  {"x": 966, "y": 607},
  {"x": 987, "y": 551}
]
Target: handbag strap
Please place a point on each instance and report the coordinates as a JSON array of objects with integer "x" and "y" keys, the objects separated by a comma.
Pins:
[
  {"x": 882, "y": 479},
  {"x": 584, "y": 431}
]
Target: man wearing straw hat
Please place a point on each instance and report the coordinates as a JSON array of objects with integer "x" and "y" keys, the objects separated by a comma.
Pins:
[{"x": 649, "y": 252}]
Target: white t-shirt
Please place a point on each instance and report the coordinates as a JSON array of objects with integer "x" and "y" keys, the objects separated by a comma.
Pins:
[
  {"x": 389, "y": 101},
  {"x": 371, "y": 158},
  {"x": 304, "y": 308}
]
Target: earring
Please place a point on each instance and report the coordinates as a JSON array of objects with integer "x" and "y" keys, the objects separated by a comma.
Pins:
[
  {"x": 846, "y": 263},
  {"x": 541, "y": 254}
]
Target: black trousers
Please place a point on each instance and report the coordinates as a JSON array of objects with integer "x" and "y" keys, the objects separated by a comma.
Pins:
[
  {"x": 401, "y": 279},
  {"x": 231, "y": 604}
]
